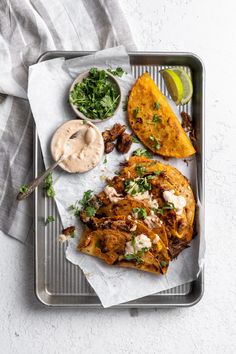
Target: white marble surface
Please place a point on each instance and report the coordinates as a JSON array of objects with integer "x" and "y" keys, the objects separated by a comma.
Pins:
[{"x": 208, "y": 29}]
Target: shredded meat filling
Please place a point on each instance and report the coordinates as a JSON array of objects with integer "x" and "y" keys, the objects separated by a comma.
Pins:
[{"x": 176, "y": 245}]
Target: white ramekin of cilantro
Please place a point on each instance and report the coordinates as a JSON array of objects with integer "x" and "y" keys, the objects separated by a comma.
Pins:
[{"x": 95, "y": 95}]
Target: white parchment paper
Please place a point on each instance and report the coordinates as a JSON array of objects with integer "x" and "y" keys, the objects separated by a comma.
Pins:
[{"x": 48, "y": 89}]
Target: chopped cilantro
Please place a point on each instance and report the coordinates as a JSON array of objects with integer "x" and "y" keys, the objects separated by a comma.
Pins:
[
  {"x": 117, "y": 72},
  {"x": 96, "y": 96},
  {"x": 141, "y": 212},
  {"x": 156, "y": 143},
  {"x": 49, "y": 219},
  {"x": 90, "y": 211},
  {"x": 24, "y": 188},
  {"x": 157, "y": 105},
  {"x": 137, "y": 185},
  {"x": 137, "y": 257},
  {"x": 142, "y": 152},
  {"x": 48, "y": 186},
  {"x": 85, "y": 204},
  {"x": 134, "y": 139},
  {"x": 133, "y": 240},
  {"x": 157, "y": 172},
  {"x": 166, "y": 206},
  {"x": 86, "y": 198},
  {"x": 163, "y": 263},
  {"x": 105, "y": 160},
  {"x": 136, "y": 111},
  {"x": 140, "y": 169},
  {"x": 98, "y": 244},
  {"x": 156, "y": 118}
]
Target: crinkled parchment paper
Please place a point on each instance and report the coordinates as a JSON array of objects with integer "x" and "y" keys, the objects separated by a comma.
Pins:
[{"x": 49, "y": 83}]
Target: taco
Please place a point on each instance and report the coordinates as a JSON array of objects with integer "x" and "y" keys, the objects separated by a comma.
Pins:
[
  {"x": 117, "y": 242},
  {"x": 154, "y": 122}
]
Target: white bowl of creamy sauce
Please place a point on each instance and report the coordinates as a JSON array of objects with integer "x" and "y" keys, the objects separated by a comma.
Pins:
[{"x": 81, "y": 145}]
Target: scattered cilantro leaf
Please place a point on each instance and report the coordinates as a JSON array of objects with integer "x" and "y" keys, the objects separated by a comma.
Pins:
[
  {"x": 137, "y": 257},
  {"x": 156, "y": 118},
  {"x": 24, "y": 188},
  {"x": 140, "y": 169},
  {"x": 105, "y": 160},
  {"x": 157, "y": 105},
  {"x": 135, "y": 139},
  {"x": 163, "y": 264},
  {"x": 48, "y": 186},
  {"x": 156, "y": 143},
  {"x": 90, "y": 211},
  {"x": 98, "y": 244},
  {"x": 136, "y": 111},
  {"x": 137, "y": 185},
  {"x": 141, "y": 212},
  {"x": 49, "y": 219},
  {"x": 133, "y": 241},
  {"x": 142, "y": 152},
  {"x": 86, "y": 198},
  {"x": 117, "y": 72},
  {"x": 166, "y": 206},
  {"x": 85, "y": 204}
]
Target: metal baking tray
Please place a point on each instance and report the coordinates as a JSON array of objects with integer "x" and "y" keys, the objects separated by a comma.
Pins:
[{"x": 60, "y": 283}]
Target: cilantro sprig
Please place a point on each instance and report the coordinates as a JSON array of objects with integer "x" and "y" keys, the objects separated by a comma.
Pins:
[
  {"x": 85, "y": 204},
  {"x": 97, "y": 97}
]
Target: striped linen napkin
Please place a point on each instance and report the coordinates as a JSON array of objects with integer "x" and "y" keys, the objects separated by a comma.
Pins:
[{"x": 27, "y": 29}]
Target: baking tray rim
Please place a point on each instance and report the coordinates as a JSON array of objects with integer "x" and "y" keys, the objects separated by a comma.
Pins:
[{"x": 129, "y": 305}]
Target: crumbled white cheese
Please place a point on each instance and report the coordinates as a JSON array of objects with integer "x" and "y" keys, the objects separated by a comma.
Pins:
[
  {"x": 153, "y": 203},
  {"x": 156, "y": 239},
  {"x": 148, "y": 197},
  {"x": 178, "y": 200},
  {"x": 142, "y": 196},
  {"x": 141, "y": 241},
  {"x": 63, "y": 238},
  {"x": 112, "y": 194},
  {"x": 152, "y": 221}
]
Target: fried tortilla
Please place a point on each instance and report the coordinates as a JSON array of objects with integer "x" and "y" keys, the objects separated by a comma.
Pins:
[{"x": 154, "y": 122}]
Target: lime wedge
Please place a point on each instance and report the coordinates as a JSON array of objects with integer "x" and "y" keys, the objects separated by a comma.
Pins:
[
  {"x": 187, "y": 84},
  {"x": 174, "y": 85}
]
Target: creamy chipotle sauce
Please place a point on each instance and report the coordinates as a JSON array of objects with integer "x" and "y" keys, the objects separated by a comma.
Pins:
[{"x": 80, "y": 143}]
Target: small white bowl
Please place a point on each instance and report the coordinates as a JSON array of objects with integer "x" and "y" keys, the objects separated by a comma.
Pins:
[{"x": 80, "y": 79}]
